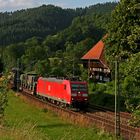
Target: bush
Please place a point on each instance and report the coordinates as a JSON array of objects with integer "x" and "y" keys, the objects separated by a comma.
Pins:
[
  {"x": 22, "y": 131},
  {"x": 135, "y": 121},
  {"x": 3, "y": 98},
  {"x": 131, "y": 87},
  {"x": 103, "y": 94}
]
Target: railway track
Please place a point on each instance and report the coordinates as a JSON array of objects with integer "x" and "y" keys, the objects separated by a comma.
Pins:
[
  {"x": 103, "y": 120},
  {"x": 123, "y": 114},
  {"x": 109, "y": 114}
]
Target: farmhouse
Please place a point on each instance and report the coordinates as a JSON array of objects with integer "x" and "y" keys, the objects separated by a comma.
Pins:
[{"x": 94, "y": 60}]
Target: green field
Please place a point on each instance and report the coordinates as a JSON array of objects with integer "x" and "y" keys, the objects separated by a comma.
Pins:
[{"x": 25, "y": 122}]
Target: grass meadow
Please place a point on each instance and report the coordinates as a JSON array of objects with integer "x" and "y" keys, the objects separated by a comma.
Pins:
[{"x": 25, "y": 122}]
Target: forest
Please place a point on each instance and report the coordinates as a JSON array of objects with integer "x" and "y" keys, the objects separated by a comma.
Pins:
[
  {"x": 50, "y": 41},
  {"x": 43, "y": 52},
  {"x": 41, "y": 21}
]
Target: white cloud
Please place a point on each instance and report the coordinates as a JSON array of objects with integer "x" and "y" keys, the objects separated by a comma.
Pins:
[{"x": 10, "y": 5}]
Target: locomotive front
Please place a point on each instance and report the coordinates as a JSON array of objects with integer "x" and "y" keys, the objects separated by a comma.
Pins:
[{"x": 79, "y": 94}]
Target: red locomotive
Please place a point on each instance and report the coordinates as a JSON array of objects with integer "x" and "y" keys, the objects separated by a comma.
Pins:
[
  {"x": 60, "y": 91},
  {"x": 64, "y": 92}
]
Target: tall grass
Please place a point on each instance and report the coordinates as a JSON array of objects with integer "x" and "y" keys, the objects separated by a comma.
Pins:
[
  {"x": 21, "y": 131},
  {"x": 3, "y": 98},
  {"x": 24, "y": 121}
]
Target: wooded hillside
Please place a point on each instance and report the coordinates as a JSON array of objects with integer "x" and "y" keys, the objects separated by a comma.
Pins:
[{"x": 42, "y": 21}]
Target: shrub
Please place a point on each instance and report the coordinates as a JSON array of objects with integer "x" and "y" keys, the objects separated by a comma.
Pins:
[
  {"x": 3, "y": 98},
  {"x": 22, "y": 131}
]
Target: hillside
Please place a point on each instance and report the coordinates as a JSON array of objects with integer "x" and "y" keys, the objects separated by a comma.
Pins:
[
  {"x": 60, "y": 49},
  {"x": 42, "y": 21}
]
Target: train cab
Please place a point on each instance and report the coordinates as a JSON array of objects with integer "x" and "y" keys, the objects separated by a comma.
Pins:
[{"x": 79, "y": 93}]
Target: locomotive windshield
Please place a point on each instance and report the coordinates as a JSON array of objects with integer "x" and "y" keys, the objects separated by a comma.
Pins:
[{"x": 79, "y": 87}]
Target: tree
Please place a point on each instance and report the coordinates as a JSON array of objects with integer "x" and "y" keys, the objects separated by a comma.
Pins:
[
  {"x": 124, "y": 43},
  {"x": 33, "y": 55},
  {"x": 42, "y": 67},
  {"x": 131, "y": 87},
  {"x": 11, "y": 54},
  {"x": 124, "y": 35}
]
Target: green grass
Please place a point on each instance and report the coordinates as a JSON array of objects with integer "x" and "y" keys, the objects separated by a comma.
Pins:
[{"x": 26, "y": 122}]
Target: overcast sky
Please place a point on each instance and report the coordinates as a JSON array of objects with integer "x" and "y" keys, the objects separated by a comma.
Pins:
[{"x": 12, "y": 5}]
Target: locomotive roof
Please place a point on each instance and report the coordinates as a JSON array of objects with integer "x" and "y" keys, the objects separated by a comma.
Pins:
[{"x": 51, "y": 79}]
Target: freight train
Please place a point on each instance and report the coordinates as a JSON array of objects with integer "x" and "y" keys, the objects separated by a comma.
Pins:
[{"x": 62, "y": 91}]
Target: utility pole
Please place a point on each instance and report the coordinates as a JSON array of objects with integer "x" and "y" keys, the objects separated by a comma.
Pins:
[
  {"x": 88, "y": 70},
  {"x": 117, "y": 100}
]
